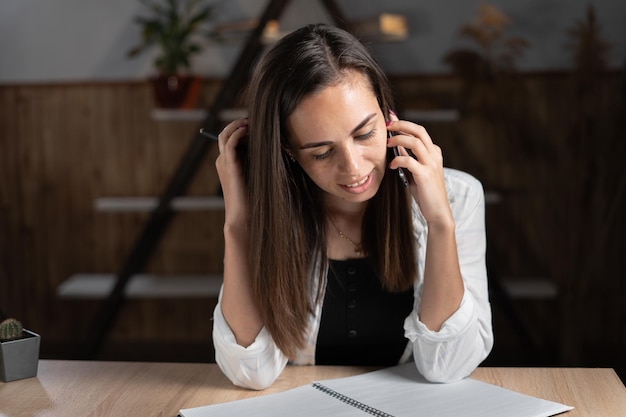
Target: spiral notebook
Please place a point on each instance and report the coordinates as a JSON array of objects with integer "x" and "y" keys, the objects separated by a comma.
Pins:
[{"x": 391, "y": 392}]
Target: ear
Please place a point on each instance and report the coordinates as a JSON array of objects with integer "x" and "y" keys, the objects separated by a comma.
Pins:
[
  {"x": 289, "y": 153},
  {"x": 285, "y": 148}
]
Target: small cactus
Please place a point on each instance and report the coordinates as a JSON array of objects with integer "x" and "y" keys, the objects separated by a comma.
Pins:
[{"x": 10, "y": 329}]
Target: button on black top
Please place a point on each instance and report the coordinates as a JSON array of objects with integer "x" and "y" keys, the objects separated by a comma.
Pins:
[{"x": 361, "y": 323}]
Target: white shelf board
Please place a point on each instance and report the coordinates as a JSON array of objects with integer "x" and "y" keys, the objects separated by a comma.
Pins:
[
  {"x": 530, "y": 288},
  {"x": 233, "y": 114},
  {"x": 435, "y": 115},
  {"x": 492, "y": 197},
  {"x": 416, "y": 115},
  {"x": 94, "y": 286},
  {"x": 178, "y": 114},
  {"x": 129, "y": 204},
  {"x": 150, "y": 203},
  {"x": 186, "y": 115}
]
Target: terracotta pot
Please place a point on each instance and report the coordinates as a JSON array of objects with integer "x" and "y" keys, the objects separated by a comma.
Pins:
[{"x": 176, "y": 91}]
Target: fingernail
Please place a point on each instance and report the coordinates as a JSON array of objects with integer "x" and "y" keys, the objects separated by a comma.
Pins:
[
  {"x": 387, "y": 122},
  {"x": 391, "y": 112}
]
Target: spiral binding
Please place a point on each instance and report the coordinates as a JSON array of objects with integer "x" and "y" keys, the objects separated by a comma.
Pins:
[{"x": 351, "y": 401}]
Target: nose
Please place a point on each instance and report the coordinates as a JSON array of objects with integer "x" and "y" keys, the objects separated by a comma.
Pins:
[{"x": 350, "y": 159}]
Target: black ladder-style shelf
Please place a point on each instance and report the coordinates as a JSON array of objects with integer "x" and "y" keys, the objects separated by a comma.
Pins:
[{"x": 162, "y": 215}]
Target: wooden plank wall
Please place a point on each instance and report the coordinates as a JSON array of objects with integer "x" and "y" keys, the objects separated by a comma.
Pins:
[{"x": 63, "y": 145}]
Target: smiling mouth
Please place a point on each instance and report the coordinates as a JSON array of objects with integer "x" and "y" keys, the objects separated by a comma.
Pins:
[{"x": 357, "y": 184}]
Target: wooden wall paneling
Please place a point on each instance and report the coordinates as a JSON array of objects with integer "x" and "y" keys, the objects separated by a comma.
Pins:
[
  {"x": 192, "y": 244},
  {"x": 128, "y": 167},
  {"x": 62, "y": 146},
  {"x": 36, "y": 202},
  {"x": 165, "y": 320},
  {"x": 76, "y": 143},
  {"x": 11, "y": 296},
  {"x": 125, "y": 153}
]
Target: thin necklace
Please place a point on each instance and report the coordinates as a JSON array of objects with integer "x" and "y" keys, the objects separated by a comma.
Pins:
[{"x": 358, "y": 250}]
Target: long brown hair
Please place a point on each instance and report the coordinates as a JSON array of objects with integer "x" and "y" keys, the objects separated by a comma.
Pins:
[{"x": 287, "y": 227}]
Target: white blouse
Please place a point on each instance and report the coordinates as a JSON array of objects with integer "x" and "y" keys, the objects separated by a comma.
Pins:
[{"x": 448, "y": 355}]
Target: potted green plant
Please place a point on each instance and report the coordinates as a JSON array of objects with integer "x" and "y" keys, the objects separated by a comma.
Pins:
[
  {"x": 19, "y": 351},
  {"x": 177, "y": 28}
]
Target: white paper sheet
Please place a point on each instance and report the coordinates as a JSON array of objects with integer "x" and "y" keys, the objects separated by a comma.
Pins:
[{"x": 397, "y": 391}]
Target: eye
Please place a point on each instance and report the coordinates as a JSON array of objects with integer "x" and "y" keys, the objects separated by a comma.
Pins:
[
  {"x": 322, "y": 156},
  {"x": 366, "y": 136}
]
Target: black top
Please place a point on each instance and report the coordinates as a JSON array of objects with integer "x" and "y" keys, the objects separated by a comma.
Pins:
[{"x": 361, "y": 324}]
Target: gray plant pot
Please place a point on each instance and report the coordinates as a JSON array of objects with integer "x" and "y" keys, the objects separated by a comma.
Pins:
[{"x": 19, "y": 358}]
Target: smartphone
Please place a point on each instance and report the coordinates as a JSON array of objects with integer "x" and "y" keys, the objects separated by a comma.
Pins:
[{"x": 403, "y": 179}]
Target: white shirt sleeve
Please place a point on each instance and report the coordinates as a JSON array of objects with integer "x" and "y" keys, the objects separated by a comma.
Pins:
[
  {"x": 466, "y": 338},
  {"x": 255, "y": 366}
]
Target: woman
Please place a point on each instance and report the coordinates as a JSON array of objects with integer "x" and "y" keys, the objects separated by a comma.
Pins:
[{"x": 328, "y": 258}]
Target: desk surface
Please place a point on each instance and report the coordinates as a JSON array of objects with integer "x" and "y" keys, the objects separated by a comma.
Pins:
[{"x": 76, "y": 388}]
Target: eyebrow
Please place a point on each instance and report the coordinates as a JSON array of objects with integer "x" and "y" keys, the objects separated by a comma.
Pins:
[{"x": 356, "y": 129}]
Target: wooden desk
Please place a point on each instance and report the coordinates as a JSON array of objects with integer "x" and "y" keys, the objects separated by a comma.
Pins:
[{"x": 76, "y": 388}]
